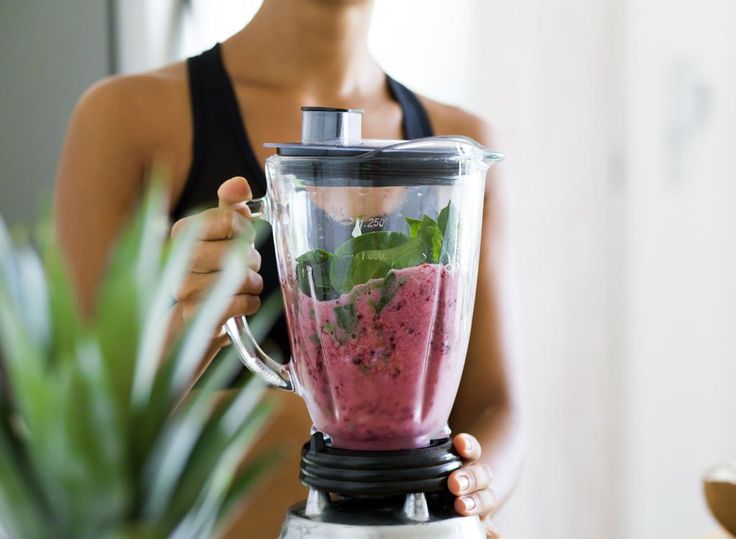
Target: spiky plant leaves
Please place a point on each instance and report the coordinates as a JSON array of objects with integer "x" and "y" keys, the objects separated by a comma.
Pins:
[
  {"x": 240, "y": 432},
  {"x": 99, "y": 434},
  {"x": 177, "y": 375},
  {"x": 125, "y": 293},
  {"x": 159, "y": 316},
  {"x": 269, "y": 312},
  {"x": 21, "y": 500},
  {"x": 183, "y": 432},
  {"x": 81, "y": 478},
  {"x": 239, "y": 410},
  {"x": 21, "y": 509},
  {"x": 62, "y": 306},
  {"x": 197, "y": 339},
  {"x": 244, "y": 483}
]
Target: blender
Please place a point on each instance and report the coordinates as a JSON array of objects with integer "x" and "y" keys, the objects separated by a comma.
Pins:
[{"x": 377, "y": 244}]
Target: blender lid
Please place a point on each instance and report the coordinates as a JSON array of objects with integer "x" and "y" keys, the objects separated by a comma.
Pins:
[
  {"x": 337, "y": 132},
  {"x": 332, "y": 147}
]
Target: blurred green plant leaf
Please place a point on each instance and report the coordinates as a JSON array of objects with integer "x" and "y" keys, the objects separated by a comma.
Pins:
[{"x": 100, "y": 433}]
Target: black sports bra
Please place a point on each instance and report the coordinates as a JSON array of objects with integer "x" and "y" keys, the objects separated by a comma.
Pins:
[{"x": 223, "y": 150}]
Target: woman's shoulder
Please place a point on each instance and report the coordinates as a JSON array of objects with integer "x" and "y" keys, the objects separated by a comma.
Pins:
[
  {"x": 143, "y": 116},
  {"x": 451, "y": 120},
  {"x": 146, "y": 92}
]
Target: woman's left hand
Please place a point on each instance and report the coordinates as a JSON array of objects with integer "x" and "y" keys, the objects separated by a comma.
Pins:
[{"x": 472, "y": 483}]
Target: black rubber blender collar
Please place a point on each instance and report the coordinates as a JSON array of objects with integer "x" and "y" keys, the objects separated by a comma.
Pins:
[{"x": 377, "y": 473}]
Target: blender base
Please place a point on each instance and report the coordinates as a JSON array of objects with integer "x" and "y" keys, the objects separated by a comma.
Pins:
[
  {"x": 345, "y": 518},
  {"x": 378, "y": 494}
]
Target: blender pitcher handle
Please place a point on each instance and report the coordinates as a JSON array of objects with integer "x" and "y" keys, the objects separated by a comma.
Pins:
[{"x": 250, "y": 352}]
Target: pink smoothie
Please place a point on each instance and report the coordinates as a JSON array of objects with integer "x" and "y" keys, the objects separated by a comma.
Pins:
[{"x": 378, "y": 370}]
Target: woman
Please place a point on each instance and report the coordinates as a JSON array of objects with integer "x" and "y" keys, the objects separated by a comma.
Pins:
[{"x": 207, "y": 119}]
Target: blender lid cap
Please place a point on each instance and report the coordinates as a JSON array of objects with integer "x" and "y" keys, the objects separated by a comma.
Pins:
[{"x": 326, "y": 125}]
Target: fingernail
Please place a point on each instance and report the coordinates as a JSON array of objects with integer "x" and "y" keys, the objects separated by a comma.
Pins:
[
  {"x": 468, "y": 444},
  {"x": 468, "y": 502},
  {"x": 464, "y": 482}
]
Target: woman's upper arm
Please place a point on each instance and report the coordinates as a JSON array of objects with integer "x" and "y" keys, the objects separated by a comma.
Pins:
[{"x": 99, "y": 179}]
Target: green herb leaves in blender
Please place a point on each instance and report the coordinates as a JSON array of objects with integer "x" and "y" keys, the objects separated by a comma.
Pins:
[
  {"x": 363, "y": 258},
  {"x": 372, "y": 241},
  {"x": 429, "y": 235},
  {"x": 373, "y": 255},
  {"x": 447, "y": 221},
  {"x": 317, "y": 263},
  {"x": 346, "y": 317},
  {"x": 390, "y": 286}
]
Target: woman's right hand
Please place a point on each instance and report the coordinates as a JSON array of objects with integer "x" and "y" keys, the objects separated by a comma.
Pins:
[{"x": 222, "y": 225}]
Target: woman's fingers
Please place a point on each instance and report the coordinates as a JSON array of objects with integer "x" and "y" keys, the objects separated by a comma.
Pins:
[
  {"x": 219, "y": 224},
  {"x": 229, "y": 220},
  {"x": 470, "y": 478},
  {"x": 471, "y": 483},
  {"x": 482, "y": 502},
  {"x": 209, "y": 256},
  {"x": 198, "y": 285},
  {"x": 467, "y": 446},
  {"x": 234, "y": 193},
  {"x": 241, "y": 305}
]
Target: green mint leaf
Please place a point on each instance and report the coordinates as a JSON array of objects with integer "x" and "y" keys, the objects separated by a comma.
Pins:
[
  {"x": 365, "y": 257},
  {"x": 449, "y": 227},
  {"x": 371, "y": 241},
  {"x": 431, "y": 237},
  {"x": 373, "y": 255},
  {"x": 346, "y": 317},
  {"x": 364, "y": 268},
  {"x": 443, "y": 217},
  {"x": 348, "y": 271},
  {"x": 412, "y": 253},
  {"x": 414, "y": 226},
  {"x": 341, "y": 273},
  {"x": 319, "y": 262},
  {"x": 390, "y": 286}
]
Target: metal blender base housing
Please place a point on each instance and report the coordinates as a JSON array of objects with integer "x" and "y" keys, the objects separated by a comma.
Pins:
[{"x": 332, "y": 523}]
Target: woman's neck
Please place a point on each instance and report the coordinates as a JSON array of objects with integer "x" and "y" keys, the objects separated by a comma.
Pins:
[{"x": 313, "y": 47}]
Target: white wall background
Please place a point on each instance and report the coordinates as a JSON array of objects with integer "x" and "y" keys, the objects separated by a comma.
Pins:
[
  {"x": 49, "y": 53},
  {"x": 681, "y": 293},
  {"x": 155, "y": 33},
  {"x": 146, "y": 39},
  {"x": 618, "y": 119}
]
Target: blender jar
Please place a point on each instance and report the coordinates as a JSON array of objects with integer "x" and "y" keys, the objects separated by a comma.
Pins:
[{"x": 377, "y": 246}]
